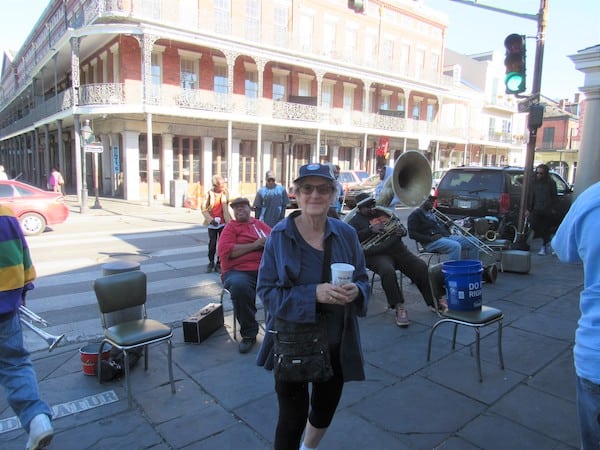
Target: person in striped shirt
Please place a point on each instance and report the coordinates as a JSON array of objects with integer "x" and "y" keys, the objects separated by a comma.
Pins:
[{"x": 17, "y": 375}]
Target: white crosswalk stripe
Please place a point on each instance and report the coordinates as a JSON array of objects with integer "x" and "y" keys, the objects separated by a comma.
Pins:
[{"x": 177, "y": 285}]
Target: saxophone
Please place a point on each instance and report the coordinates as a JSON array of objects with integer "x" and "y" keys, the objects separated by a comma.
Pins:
[{"x": 392, "y": 229}]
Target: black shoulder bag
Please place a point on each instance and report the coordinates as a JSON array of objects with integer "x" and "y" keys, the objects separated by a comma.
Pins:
[{"x": 301, "y": 350}]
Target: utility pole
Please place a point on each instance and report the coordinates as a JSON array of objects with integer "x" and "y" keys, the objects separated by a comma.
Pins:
[{"x": 535, "y": 116}]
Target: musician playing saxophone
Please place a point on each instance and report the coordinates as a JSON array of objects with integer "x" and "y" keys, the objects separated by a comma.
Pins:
[
  {"x": 17, "y": 375},
  {"x": 381, "y": 235}
]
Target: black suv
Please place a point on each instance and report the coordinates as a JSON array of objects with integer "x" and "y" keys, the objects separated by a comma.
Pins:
[{"x": 490, "y": 191}]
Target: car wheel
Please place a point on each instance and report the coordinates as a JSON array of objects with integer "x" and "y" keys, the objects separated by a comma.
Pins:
[{"x": 32, "y": 224}]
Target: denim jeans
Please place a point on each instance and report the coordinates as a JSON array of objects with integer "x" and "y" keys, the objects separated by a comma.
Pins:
[
  {"x": 588, "y": 408},
  {"x": 242, "y": 286},
  {"x": 17, "y": 374},
  {"x": 453, "y": 246}
]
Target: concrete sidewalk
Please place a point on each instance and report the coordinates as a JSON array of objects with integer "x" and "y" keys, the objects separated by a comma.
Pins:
[{"x": 224, "y": 401}]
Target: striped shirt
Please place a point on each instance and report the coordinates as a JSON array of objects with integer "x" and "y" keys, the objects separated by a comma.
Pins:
[{"x": 16, "y": 269}]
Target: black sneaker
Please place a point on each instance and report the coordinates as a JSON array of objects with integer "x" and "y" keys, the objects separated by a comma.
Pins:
[
  {"x": 246, "y": 345},
  {"x": 211, "y": 267}
]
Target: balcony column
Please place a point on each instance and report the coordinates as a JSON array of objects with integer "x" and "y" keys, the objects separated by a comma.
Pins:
[
  {"x": 260, "y": 68},
  {"x": 366, "y": 96},
  {"x": 207, "y": 162},
  {"x": 75, "y": 41},
  {"x": 230, "y": 57},
  {"x": 39, "y": 177},
  {"x": 47, "y": 162},
  {"x": 61, "y": 146},
  {"x": 166, "y": 153},
  {"x": 146, "y": 43},
  {"x": 588, "y": 169},
  {"x": 233, "y": 180},
  {"x": 131, "y": 165}
]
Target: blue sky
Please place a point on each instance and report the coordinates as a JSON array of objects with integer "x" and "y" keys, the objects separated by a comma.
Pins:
[{"x": 572, "y": 25}]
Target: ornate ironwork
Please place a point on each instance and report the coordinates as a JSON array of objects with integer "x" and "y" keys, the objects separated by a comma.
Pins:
[{"x": 101, "y": 94}]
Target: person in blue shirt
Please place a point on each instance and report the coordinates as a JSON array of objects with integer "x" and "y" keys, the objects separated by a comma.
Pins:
[
  {"x": 336, "y": 205},
  {"x": 291, "y": 288},
  {"x": 576, "y": 241},
  {"x": 270, "y": 201}
]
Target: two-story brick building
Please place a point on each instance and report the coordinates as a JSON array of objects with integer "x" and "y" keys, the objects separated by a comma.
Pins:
[{"x": 184, "y": 89}]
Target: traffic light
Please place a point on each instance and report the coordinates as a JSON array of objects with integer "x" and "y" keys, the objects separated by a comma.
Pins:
[
  {"x": 357, "y": 5},
  {"x": 515, "y": 62}
]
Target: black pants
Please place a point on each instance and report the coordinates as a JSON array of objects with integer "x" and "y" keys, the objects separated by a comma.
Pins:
[
  {"x": 543, "y": 223},
  {"x": 398, "y": 257},
  {"x": 213, "y": 237},
  {"x": 294, "y": 400}
]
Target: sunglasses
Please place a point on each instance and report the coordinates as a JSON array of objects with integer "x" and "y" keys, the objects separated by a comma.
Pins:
[{"x": 322, "y": 189}]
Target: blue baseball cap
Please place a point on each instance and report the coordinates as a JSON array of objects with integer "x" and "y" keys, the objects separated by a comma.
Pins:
[{"x": 315, "y": 170}]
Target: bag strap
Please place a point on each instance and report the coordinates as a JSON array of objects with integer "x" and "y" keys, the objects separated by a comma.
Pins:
[{"x": 326, "y": 272}]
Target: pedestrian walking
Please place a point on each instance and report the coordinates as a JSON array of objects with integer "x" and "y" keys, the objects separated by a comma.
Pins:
[
  {"x": 271, "y": 201},
  {"x": 56, "y": 181},
  {"x": 3, "y": 175},
  {"x": 215, "y": 209},
  {"x": 541, "y": 206}
]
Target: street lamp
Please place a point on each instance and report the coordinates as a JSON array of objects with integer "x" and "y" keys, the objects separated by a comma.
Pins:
[{"x": 87, "y": 137}]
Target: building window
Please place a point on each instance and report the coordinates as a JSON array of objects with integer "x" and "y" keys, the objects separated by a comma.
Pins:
[
  {"x": 548, "y": 138},
  {"x": 188, "y": 13},
  {"x": 327, "y": 95},
  {"x": 188, "y": 74},
  {"x": 220, "y": 79},
  {"x": 222, "y": 16},
  {"x": 329, "y": 39},
  {"x": 349, "y": 98},
  {"x": 253, "y": 20},
  {"x": 401, "y": 104},
  {"x": 416, "y": 110},
  {"x": 419, "y": 63},
  {"x": 251, "y": 84},
  {"x": 306, "y": 33},
  {"x": 404, "y": 59},
  {"x": 350, "y": 45},
  {"x": 491, "y": 127},
  {"x": 156, "y": 76},
  {"x": 279, "y": 87},
  {"x": 305, "y": 87},
  {"x": 388, "y": 54},
  {"x": 430, "y": 112},
  {"x": 384, "y": 102},
  {"x": 281, "y": 24}
]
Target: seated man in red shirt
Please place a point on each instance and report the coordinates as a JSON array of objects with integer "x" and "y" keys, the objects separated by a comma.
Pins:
[{"x": 240, "y": 250}]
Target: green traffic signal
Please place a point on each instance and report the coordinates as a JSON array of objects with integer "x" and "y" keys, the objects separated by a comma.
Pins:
[
  {"x": 515, "y": 63},
  {"x": 515, "y": 82}
]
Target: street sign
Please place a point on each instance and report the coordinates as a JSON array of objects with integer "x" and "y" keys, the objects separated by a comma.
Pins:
[{"x": 93, "y": 148}]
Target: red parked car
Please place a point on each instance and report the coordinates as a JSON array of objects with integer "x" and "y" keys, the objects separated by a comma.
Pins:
[{"x": 33, "y": 207}]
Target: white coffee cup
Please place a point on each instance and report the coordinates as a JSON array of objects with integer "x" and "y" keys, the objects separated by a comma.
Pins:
[
  {"x": 218, "y": 220},
  {"x": 341, "y": 273}
]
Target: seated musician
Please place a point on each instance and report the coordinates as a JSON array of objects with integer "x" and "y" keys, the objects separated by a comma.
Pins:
[
  {"x": 384, "y": 258},
  {"x": 425, "y": 227}
]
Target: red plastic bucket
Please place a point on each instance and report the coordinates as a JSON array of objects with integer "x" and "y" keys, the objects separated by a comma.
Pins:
[{"x": 89, "y": 357}]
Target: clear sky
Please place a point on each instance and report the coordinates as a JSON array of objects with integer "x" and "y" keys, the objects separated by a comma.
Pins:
[{"x": 572, "y": 25}]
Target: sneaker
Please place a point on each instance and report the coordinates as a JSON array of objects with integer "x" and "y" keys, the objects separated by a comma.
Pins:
[
  {"x": 211, "y": 267},
  {"x": 402, "y": 317},
  {"x": 442, "y": 306},
  {"x": 40, "y": 432},
  {"x": 542, "y": 251},
  {"x": 246, "y": 344}
]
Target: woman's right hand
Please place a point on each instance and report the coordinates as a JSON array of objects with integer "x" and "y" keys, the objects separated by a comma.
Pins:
[{"x": 336, "y": 295}]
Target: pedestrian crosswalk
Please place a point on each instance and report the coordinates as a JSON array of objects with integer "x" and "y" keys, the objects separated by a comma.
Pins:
[{"x": 177, "y": 283}]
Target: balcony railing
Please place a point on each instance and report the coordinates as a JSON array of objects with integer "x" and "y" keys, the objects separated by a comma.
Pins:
[{"x": 128, "y": 95}]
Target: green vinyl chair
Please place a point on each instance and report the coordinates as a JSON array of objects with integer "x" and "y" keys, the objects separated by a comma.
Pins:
[
  {"x": 475, "y": 319},
  {"x": 124, "y": 291}
]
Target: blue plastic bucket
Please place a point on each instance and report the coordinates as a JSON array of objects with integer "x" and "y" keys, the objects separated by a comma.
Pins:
[{"x": 463, "y": 284}]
